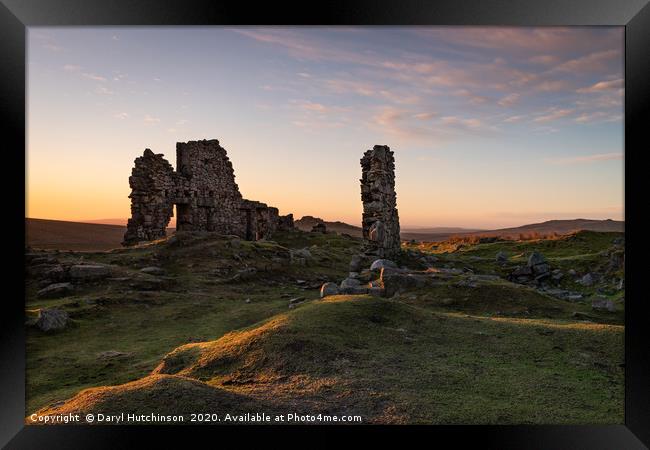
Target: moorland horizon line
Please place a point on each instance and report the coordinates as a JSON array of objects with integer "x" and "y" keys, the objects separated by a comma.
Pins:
[{"x": 118, "y": 222}]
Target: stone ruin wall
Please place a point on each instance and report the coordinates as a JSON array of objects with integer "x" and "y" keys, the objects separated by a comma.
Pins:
[
  {"x": 205, "y": 193},
  {"x": 380, "y": 221}
]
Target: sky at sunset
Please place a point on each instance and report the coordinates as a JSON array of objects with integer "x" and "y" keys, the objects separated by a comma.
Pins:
[{"x": 491, "y": 127}]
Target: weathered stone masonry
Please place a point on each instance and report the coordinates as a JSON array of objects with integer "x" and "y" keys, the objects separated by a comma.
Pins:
[
  {"x": 204, "y": 191},
  {"x": 380, "y": 221}
]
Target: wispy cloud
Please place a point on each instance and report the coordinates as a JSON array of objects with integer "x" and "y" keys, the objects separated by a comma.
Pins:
[
  {"x": 53, "y": 47},
  {"x": 585, "y": 159},
  {"x": 602, "y": 86},
  {"x": 121, "y": 115},
  {"x": 596, "y": 61},
  {"x": 513, "y": 119},
  {"x": 310, "y": 106},
  {"x": 553, "y": 114},
  {"x": 509, "y": 100},
  {"x": 544, "y": 59},
  {"x": 150, "y": 119},
  {"x": 93, "y": 76},
  {"x": 72, "y": 68},
  {"x": 598, "y": 116},
  {"x": 426, "y": 115},
  {"x": 552, "y": 85},
  {"x": 102, "y": 90}
]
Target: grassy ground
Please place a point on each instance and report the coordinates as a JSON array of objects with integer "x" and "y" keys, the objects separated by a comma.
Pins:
[{"x": 448, "y": 353}]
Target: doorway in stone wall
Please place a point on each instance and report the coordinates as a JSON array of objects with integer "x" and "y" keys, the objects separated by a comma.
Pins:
[
  {"x": 249, "y": 224},
  {"x": 183, "y": 217}
]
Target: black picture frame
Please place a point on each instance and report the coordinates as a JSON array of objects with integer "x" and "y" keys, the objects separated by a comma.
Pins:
[{"x": 634, "y": 15}]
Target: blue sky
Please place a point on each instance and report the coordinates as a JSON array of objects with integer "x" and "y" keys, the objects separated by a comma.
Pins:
[{"x": 491, "y": 127}]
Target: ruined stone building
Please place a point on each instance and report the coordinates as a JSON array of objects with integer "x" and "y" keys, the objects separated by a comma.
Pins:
[
  {"x": 205, "y": 194},
  {"x": 380, "y": 221}
]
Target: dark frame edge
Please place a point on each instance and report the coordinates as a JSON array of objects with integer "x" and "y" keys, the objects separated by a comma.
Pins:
[
  {"x": 13, "y": 43},
  {"x": 637, "y": 109},
  {"x": 12, "y": 115}
]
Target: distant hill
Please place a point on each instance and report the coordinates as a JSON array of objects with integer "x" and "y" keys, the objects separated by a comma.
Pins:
[
  {"x": 307, "y": 222},
  {"x": 543, "y": 228},
  {"x": 121, "y": 222},
  {"x": 567, "y": 226},
  {"x": 64, "y": 235},
  {"x": 78, "y": 236},
  {"x": 440, "y": 230}
]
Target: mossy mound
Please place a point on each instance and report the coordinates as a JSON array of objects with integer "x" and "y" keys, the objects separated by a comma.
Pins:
[
  {"x": 393, "y": 362},
  {"x": 155, "y": 394}
]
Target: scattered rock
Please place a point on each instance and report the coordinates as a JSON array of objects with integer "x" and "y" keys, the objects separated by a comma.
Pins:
[
  {"x": 379, "y": 264},
  {"x": 501, "y": 257},
  {"x": 86, "y": 272},
  {"x": 572, "y": 272},
  {"x": 248, "y": 300},
  {"x": 56, "y": 273},
  {"x": 522, "y": 271},
  {"x": 329, "y": 289},
  {"x": 56, "y": 290},
  {"x": 602, "y": 304},
  {"x": 355, "y": 263},
  {"x": 538, "y": 264},
  {"x": 243, "y": 275},
  {"x": 466, "y": 283},
  {"x": 153, "y": 270},
  {"x": 35, "y": 260},
  {"x": 149, "y": 283},
  {"x": 320, "y": 227},
  {"x": 52, "y": 319},
  {"x": 349, "y": 284},
  {"x": 398, "y": 282},
  {"x": 535, "y": 259},
  {"x": 587, "y": 280},
  {"x": 376, "y": 291},
  {"x": 301, "y": 253},
  {"x": 296, "y": 300},
  {"x": 110, "y": 354}
]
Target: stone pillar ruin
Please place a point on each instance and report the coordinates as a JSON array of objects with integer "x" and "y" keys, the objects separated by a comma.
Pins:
[{"x": 380, "y": 221}]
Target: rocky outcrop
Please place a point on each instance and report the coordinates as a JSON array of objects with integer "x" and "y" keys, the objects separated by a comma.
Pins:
[
  {"x": 56, "y": 290},
  {"x": 52, "y": 319},
  {"x": 89, "y": 272},
  {"x": 329, "y": 289},
  {"x": 320, "y": 227},
  {"x": 536, "y": 270},
  {"x": 380, "y": 221}
]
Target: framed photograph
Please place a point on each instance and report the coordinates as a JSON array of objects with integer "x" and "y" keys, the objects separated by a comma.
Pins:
[{"x": 350, "y": 217}]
